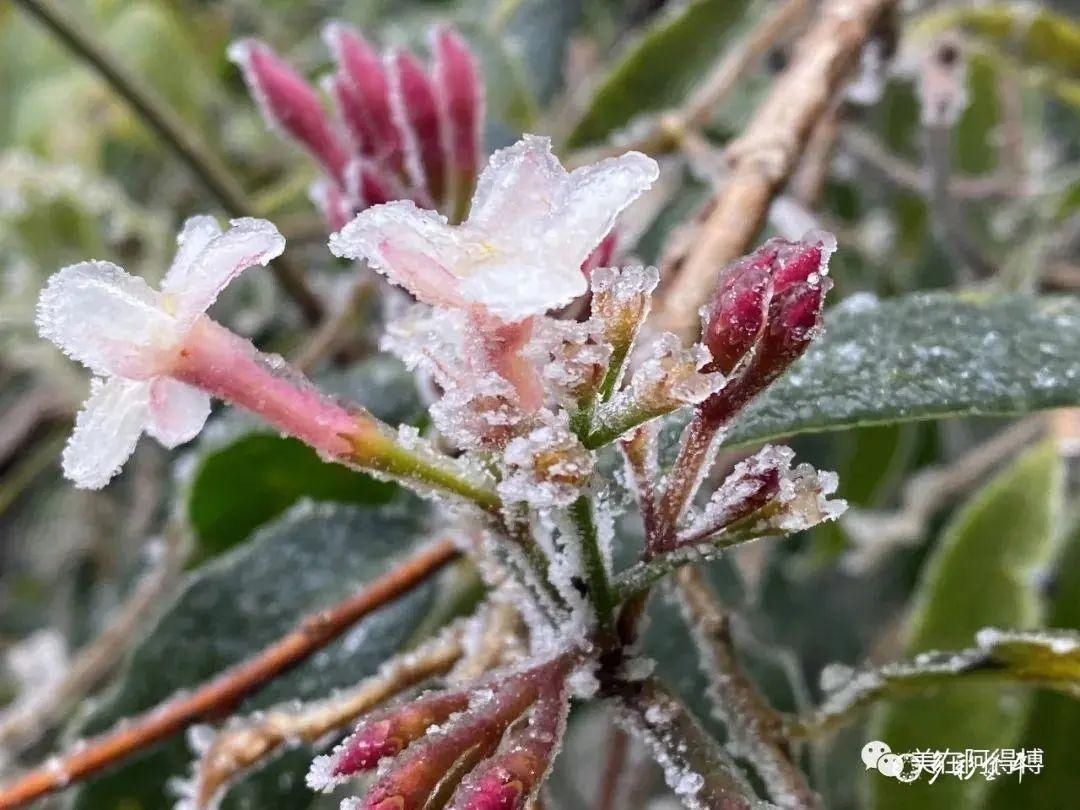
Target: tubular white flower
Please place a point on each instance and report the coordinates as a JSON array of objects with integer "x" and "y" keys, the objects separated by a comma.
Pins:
[
  {"x": 125, "y": 332},
  {"x": 520, "y": 251}
]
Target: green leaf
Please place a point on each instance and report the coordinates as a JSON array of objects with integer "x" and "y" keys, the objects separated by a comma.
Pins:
[
  {"x": 1054, "y": 718},
  {"x": 236, "y": 605},
  {"x": 657, "y": 70},
  {"x": 984, "y": 572},
  {"x": 924, "y": 356},
  {"x": 539, "y": 32},
  {"x": 251, "y": 477}
]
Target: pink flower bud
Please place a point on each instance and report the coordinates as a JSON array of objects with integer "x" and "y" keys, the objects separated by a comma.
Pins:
[
  {"x": 370, "y": 184},
  {"x": 332, "y": 203},
  {"x": 461, "y": 103},
  {"x": 417, "y": 113},
  {"x": 289, "y": 103},
  {"x": 387, "y": 733},
  {"x": 766, "y": 311},
  {"x": 366, "y": 88},
  {"x": 509, "y": 779}
]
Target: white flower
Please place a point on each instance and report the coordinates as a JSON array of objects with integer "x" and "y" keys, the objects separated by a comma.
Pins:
[
  {"x": 125, "y": 332},
  {"x": 520, "y": 251}
]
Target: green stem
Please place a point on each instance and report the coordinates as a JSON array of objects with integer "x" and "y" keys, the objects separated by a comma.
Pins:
[
  {"x": 196, "y": 154},
  {"x": 601, "y": 594}
]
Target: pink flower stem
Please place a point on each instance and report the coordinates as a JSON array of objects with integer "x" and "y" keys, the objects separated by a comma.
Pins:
[{"x": 228, "y": 367}]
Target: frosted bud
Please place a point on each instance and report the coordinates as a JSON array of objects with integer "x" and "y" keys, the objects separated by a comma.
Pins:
[
  {"x": 289, "y": 104},
  {"x": 620, "y": 301},
  {"x": 765, "y": 313},
  {"x": 547, "y": 467},
  {"x": 672, "y": 376}
]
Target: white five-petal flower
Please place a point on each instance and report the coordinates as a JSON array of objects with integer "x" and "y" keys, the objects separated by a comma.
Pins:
[
  {"x": 125, "y": 332},
  {"x": 520, "y": 251}
]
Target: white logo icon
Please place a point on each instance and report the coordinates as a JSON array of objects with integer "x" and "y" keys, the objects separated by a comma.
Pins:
[{"x": 872, "y": 752}]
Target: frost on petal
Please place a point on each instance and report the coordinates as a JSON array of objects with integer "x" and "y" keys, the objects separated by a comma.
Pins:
[
  {"x": 513, "y": 285},
  {"x": 591, "y": 200},
  {"x": 103, "y": 318},
  {"x": 194, "y": 288},
  {"x": 177, "y": 411},
  {"x": 106, "y": 431},
  {"x": 193, "y": 238},
  {"x": 414, "y": 248},
  {"x": 517, "y": 189}
]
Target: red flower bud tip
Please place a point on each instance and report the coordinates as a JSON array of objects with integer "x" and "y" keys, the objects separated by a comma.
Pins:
[
  {"x": 491, "y": 792},
  {"x": 288, "y": 103},
  {"x": 416, "y": 110},
  {"x": 461, "y": 102}
]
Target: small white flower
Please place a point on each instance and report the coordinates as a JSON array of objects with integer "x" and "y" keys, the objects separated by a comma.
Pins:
[
  {"x": 124, "y": 331},
  {"x": 520, "y": 251}
]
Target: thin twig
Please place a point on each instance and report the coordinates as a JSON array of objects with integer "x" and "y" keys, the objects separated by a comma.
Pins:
[
  {"x": 614, "y": 766},
  {"x": 243, "y": 744},
  {"x": 228, "y": 689},
  {"x": 29, "y": 410},
  {"x": 22, "y": 728},
  {"x": 170, "y": 127},
  {"x": 694, "y": 764},
  {"x": 862, "y": 146},
  {"x": 756, "y": 729},
  {"x": 763, "y": 158},
  {"x": 327, "y": 338},
  {"x": 667, "y": 130},
  {"x": 877, "y": 531}
]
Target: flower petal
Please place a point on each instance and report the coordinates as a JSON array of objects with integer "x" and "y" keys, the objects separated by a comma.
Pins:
[
  {"x": 513, "y": 286},
  {"x": 193, "y": 238},
  {"x": 248, "y": 242},
  {"x": 414, "y": 248},
  {"x": 592, "y": 199},
  {"x": 517, "y": 188},
  {"x": 178, "y": 411},
  {"x": 106, "y": 431},
  {"x": 104, "y": 318}
]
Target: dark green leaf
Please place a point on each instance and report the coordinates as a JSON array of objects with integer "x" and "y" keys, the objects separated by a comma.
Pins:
[
  {"x": 984, "y": 572},
  {"x": 539, "y": 32},
  {"x": 924, "y": 356},
  {"x": 1054, "y": 718},
  {"x": 657, "y": 69},
  {"x": 237, "y": 604}
]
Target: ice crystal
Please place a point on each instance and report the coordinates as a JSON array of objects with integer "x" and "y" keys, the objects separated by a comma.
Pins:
[
  {"x": 127, "y": 334},
  {"x": 548, "y": 467}
]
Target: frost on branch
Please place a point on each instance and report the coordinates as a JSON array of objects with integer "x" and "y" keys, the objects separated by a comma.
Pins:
[{"x": 129, "y": 336}]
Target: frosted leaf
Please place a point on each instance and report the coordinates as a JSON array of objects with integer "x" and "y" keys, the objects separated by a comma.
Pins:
[
  {"x": 106, "y": 431},
  {"x": 102, "y": 317},
  {"x": 178, "y": 411},
  {"x": 547, "y": 467}
]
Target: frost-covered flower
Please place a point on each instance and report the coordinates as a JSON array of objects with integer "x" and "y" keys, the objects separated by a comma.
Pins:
[
  {"x": 128, "y": 335},
  {"x": 519, "y": 253}
]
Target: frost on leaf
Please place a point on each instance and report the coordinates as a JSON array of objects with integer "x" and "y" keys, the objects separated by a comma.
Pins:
[{"x": 128, "y": 334}]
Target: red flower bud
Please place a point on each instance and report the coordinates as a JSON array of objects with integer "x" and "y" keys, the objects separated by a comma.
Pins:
[
  {"x": 289, "y": 103},
  {"x": 362, "y": 77},
  {"x": 602, "y": 254},
  {"x": 766, "y": 311},
  {"x": 461, "y": 103},
  {"x": 417, "y": 112}
]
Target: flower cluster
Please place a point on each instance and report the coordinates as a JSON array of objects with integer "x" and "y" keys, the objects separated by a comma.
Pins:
[
  {"x": 524, "y": 399},
  {"x": 400, "y": 130}
]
